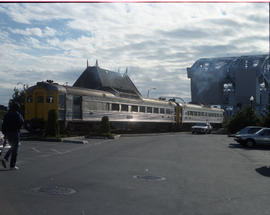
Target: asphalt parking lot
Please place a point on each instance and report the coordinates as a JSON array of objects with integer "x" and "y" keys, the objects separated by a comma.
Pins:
[{"x": 174, "y": 173}]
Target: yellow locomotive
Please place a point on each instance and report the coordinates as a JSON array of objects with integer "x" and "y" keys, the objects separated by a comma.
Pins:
[{"x": 39, "y": 100}]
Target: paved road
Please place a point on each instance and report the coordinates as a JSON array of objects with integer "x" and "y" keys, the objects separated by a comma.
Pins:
[{"x": 164, "y": 174}]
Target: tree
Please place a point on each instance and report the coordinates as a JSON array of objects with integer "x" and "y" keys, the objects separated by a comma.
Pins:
[
  {"x": 266, "y": 117},
  {"x": 243, "y": 118},
  {"x": 18, "y": 97}
]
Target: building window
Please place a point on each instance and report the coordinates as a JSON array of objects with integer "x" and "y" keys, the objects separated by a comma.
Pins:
[
  {"x": 162, "y": 110},
  {"x": 149, "y": 110},
  {"x": 155, "y": 110}
]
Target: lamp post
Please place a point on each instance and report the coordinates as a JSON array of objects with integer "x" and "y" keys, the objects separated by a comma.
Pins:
[
  {"x": 149, "y": 91},
  {"x": 251, "y": 99}
]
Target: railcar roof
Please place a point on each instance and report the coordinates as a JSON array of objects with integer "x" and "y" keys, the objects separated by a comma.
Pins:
[
  {"x": 202, "y": 107},
  {"x": 48, "y": 86},
  {"x": 94, "y": 92}
]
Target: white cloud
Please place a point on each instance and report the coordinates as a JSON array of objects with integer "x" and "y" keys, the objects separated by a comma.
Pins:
[
  {"x": 47, "y": 32},
  {"x": 159, "y": 40}
]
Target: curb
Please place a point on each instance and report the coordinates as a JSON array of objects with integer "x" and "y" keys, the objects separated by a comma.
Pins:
[
  {"x": 75, "y": 141},
  {"x": 116, "y": 137}
]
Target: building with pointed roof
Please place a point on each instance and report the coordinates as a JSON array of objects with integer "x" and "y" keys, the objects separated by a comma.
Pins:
[{"x": 97, "y": 78}]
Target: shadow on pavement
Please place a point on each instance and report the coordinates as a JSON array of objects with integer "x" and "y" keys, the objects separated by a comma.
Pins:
[
  {"x": 235, "y": 146},
  {"x": 264, "y": 171},
  {"x": 256, "y": 147},
  {"x": 3, "y": 170}
]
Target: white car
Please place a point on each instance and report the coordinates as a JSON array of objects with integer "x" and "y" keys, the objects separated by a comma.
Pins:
[{"x": 201, "y": 128}]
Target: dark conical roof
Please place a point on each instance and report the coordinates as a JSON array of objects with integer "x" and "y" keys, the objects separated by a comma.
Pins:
[{"x": 95, "y": 77}]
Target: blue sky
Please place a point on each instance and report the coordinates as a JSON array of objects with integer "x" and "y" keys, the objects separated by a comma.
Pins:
[{"x": 156, "y": 42}]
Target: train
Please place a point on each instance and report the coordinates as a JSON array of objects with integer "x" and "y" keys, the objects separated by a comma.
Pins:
[{"x": 81, "y": 109}]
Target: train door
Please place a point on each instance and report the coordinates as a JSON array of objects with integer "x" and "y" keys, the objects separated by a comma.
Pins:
[
  {"x": 77, "y": 107},
  {"x": 39, "y": 104}
]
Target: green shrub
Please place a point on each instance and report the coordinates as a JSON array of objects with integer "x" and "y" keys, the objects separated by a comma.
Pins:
[
  {"x": 37, "y": 124},
  {"x": 52, "y": 128},
  {"x": 105, "y": 125},
  {"x": 265, "y": 117}
]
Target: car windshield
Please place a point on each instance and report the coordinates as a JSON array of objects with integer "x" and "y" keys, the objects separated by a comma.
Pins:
[
  {"x": 249, "y": 130},
  {"x": 262, "y": 131},
  {"x": 201, "y": 124}
]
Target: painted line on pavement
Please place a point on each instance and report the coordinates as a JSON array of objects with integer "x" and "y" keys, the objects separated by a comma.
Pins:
[{"x": 35, "y": 150}]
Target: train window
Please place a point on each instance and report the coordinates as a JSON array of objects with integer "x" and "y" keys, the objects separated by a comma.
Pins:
[
  {"x": 115, "y": 107},
  {"x": 107, "y": 106},
  {"x": 142, "y": 109},
  {"x": 149, "y": 110},
  {"x": 134, "y": 108},
  {"x": 77, "y": 107},
  {"x": 155, "y": 110},
  {"x": 49, "y": 99},
  {"x": 124, "y": 107},
  {"x": 40, "y": 99},
  {"x": 162, "y": 110},
  {"x": 61, "y": 101},
  {"x": 77, "y": 100},
  {"x": 29, "y": 99}
]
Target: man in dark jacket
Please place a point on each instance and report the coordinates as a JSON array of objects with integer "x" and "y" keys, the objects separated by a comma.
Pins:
[{"x": 11, "y": 126}]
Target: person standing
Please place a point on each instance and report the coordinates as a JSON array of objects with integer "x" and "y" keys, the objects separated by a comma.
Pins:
[{"x": 11, "y": 126}]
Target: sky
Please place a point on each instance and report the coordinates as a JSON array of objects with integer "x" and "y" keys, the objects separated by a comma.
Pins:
[{"x": 155, "y": 41}]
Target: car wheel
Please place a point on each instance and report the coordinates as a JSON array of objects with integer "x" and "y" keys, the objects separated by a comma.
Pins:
[{"x": 250, "y": 143}]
